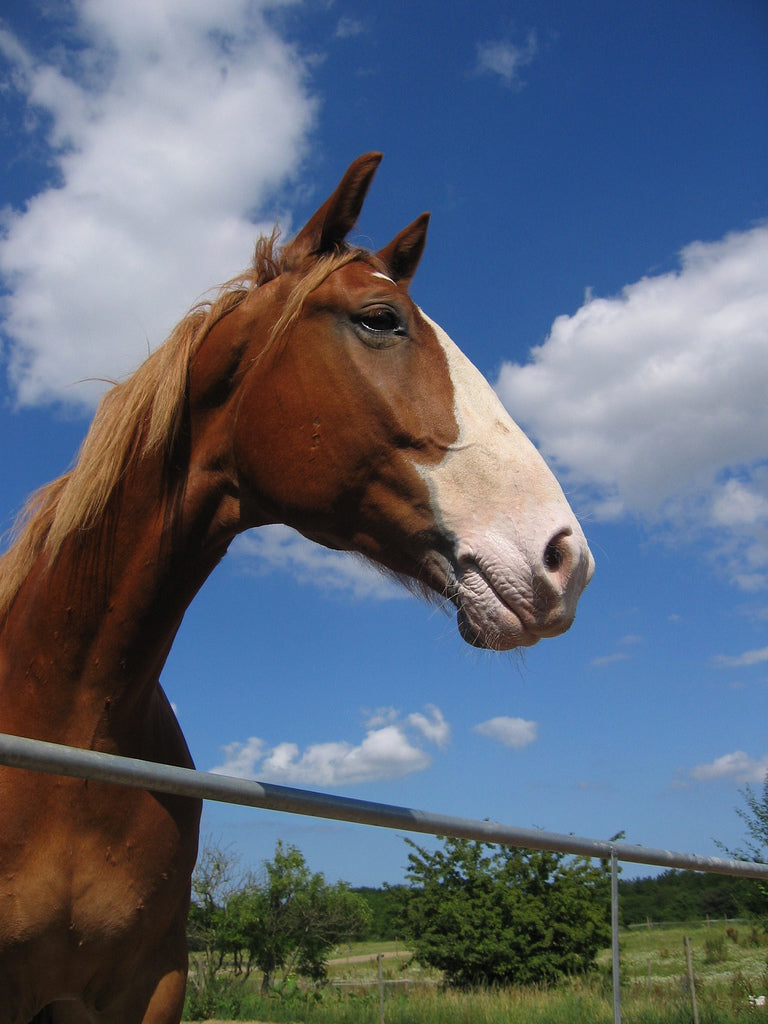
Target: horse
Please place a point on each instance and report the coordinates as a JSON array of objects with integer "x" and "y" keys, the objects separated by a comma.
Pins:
[{"x": 309, "y": 391}]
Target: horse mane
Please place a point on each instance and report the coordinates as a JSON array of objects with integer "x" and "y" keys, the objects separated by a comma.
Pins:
[{"x": 143, "y": 414}]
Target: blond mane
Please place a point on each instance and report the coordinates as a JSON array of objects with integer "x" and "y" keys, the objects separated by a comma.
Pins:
[{"x": 143, "y": 414}]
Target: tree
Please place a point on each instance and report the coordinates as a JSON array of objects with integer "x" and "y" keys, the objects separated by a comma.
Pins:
[
  {"x": 497, "y": 915},
  {"x": 755, "y": 817},
  {"x": 289, "y": 921},
  {"x": 215, "y": 882},
  {"x": 384, "y": 904}
]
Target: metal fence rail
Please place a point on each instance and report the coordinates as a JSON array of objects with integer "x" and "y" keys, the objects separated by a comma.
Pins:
[{"x": 53, "y": 758}]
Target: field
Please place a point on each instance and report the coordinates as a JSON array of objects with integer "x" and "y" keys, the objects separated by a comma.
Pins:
[{"x": 729, "y": 963}]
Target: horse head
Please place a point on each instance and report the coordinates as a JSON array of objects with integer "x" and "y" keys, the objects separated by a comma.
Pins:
[{"x": 357, "y": 421}]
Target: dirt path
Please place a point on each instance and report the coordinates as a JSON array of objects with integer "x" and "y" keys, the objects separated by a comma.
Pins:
[{"x": 363, "y": 958}]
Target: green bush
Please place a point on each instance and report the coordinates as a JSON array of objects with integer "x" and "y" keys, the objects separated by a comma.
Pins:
[
  {"x": 714, "y": 949},
  {"x": 488, "y": 915}
]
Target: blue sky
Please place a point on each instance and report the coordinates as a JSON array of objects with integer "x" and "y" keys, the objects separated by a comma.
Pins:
[{"x": 598, "y": 247}]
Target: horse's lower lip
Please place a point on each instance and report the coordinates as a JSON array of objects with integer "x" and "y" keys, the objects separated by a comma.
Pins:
[
  {"x": 491, "y": 639},
  {"x": 485, "y": 618}
]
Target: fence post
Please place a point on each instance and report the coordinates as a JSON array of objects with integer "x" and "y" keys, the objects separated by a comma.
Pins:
[
  {"x": 689, "y": 958},
  {"x": 615, "y": 938},
  {"x": 381, "y": 990}
]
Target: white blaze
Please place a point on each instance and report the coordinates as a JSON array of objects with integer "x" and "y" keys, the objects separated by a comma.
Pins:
[
  {"x": 495, "y": 495},
  {"x": 493, "y": 468}
]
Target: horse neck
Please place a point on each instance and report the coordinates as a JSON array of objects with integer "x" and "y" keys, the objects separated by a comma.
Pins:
[{"x": 86, "y": 638}]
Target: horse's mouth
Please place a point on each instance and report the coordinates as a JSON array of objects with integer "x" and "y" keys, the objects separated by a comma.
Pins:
[
  {"x": 501, "y": 612},
  {"x": 487, "y": 619}
]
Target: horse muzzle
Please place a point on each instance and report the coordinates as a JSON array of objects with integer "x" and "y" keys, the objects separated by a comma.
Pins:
[{"x": 506, "y": 598}]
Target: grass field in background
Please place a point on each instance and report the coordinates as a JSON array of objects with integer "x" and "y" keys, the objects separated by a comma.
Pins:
[{"x": 729, "y": 963}]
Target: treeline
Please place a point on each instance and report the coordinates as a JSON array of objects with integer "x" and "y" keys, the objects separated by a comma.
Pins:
[
  {"x": 386, "y": 911},
  {"x": 671, "y": 896},
  {"x": 690, "y": 896}
]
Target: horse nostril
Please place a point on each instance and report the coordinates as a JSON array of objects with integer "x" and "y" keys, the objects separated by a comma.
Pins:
[
  {"x": 557, "y": 552},
  {"x": 553, "y": 557}
]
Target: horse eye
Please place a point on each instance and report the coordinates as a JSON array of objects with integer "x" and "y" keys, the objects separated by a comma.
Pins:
[
  {"x": 379, "y": 327},
  {"x": 380, "y": 320}
]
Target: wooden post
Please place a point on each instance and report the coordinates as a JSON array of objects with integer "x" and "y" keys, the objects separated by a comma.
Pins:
[
  {"x": 381, "y": 990},
  {"x": 689, "y": 958},
  {"x": 615, "y": 939}
]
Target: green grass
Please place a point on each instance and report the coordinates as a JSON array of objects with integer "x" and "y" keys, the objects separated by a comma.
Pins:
[
  {"x": 718, "y": 951},
  {"x": 729, "y": 966}
]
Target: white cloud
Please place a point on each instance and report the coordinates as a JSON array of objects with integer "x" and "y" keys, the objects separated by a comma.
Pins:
[
  {"x": 279, "y": 547},
  {"x": 349, "y": 28},
  {"x": 505, "y": 59},
  {"x": 381, "y": 716},
  {"x": 512, "y": 732},
  {"x": 738, "y": 766},
  {"x": 240, "y": 758},
  {"x": 743, "y": 660},
  {"x": 386, "y": 752},
  {"x": 169, "y": 124},
  {"x": 738, "y": 504},
  {"x": 609, "y": 659},
  {"x": 630, "y": 640},
  {"x": 655, "y": 399},
  {"x": 431, "y": 725}
]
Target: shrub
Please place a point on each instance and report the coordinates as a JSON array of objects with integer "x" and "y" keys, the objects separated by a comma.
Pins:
[
  {"x": 505, "y": 916},
  {"x": 714, "y": 949}
]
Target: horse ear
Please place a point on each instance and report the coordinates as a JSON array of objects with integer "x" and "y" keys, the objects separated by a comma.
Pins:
[
  {"x": 402, "y": 255},
  {"x": 328, "y": 227}
]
